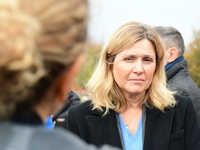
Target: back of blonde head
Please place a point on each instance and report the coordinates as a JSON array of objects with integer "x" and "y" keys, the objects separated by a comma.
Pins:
[
  {"x": 102, "y": 88},
  {"x": 38, "y": 41}
]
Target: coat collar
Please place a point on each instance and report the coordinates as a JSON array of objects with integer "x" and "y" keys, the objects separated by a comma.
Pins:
[
  {"x": 176, "y": 68},
  {"x": 104, "y": 129}
]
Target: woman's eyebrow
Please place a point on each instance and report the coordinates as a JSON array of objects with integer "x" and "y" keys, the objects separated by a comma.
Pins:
[
  {"x": 152, "y": 56},
  {"x": 139, "y": 55}
]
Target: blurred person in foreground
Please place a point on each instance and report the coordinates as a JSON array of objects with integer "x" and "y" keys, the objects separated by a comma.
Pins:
[
  {"x": 41, "y": 51},
  {"x": 131, "y": 107},
  {"x": 176, "y": 66}
]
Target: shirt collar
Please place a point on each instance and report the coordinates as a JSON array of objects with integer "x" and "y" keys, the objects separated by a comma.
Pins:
[{"x": 169, "y": 65}]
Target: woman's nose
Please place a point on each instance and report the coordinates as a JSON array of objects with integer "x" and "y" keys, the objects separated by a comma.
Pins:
[{"x": 138, "y": 67}]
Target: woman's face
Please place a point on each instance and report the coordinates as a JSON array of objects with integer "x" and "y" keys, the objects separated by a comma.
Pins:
[{"x": 133, "y": 68}]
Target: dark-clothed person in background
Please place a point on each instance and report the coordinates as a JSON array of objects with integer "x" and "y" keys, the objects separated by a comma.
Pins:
[
  {"x": 130, "y": 105},
  {"x": 176, "y": 66},
  {"x": 60, "y": 117},
  {"x": 41, "y": 51}
]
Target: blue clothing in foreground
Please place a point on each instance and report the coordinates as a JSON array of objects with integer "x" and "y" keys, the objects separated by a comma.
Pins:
[
  {"x": 49, "y": 123},
  {"x": 131, "y": 142}
]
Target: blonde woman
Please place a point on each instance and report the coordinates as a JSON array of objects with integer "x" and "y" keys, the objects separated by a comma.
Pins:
[
  {"x": 41, "y": 51},
  {"x": 130, "y": 106}
]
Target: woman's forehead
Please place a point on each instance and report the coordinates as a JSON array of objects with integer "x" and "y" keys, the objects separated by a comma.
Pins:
[{"x": 142, "y": 47}]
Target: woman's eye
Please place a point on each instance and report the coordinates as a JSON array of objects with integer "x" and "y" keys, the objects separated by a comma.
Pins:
[
  {"x": 148, "y": 59},
  {"x": 129, "y": 58}
]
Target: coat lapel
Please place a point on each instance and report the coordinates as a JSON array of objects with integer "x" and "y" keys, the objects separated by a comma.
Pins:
[
  {"x": 104, "y": 129},
  {"x": 157, "y": 129}
]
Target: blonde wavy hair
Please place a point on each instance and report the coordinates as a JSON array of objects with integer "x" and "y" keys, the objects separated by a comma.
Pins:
[
  {"x": 38, "y": 41},
  {"x": 103, "y": 90}
]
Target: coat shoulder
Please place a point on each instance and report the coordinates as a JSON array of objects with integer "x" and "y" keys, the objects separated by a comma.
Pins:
[
  {"x": 184, "y": 103},
  {"x": 181, "y": 98},
  {"x": 83, "y": 108}
]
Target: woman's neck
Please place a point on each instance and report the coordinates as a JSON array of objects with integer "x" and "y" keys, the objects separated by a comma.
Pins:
[{"x": 135, "y": 100}]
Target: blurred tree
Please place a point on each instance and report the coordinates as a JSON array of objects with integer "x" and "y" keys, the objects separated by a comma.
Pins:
[
  {"x": 193, "y": 57},
  {"x": 89, "y": 65}
]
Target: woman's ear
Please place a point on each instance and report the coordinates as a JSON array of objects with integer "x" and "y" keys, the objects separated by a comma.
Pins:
[
  {"x": 65, "y": 81},
  {"x": 172, "y": 54}
]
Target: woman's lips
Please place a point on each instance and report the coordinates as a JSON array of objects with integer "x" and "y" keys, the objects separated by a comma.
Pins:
[{"x": 137, "y": 80}]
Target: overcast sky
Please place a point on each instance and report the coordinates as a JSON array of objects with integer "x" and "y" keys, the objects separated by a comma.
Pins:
[{"x": 107, "y": 15}]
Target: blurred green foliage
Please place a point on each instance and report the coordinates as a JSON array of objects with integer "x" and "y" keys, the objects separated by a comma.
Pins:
[
  {"x": 193, "y": 57},
  {"x": 89, "y": 65}
]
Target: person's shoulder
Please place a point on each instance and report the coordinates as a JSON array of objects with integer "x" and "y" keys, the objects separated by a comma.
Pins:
[
  {"x": 38, "y": 137},
  {"x": 61, "y": 139},
  {"x": 181, "y": 99},
  {"x": 57, "y": 133},
  {"x": 183, "y": 102},
  {"x": 73, "y": 98},
  {"x": 56, "y": 139},
  {"x": 83, "y": 106}
]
